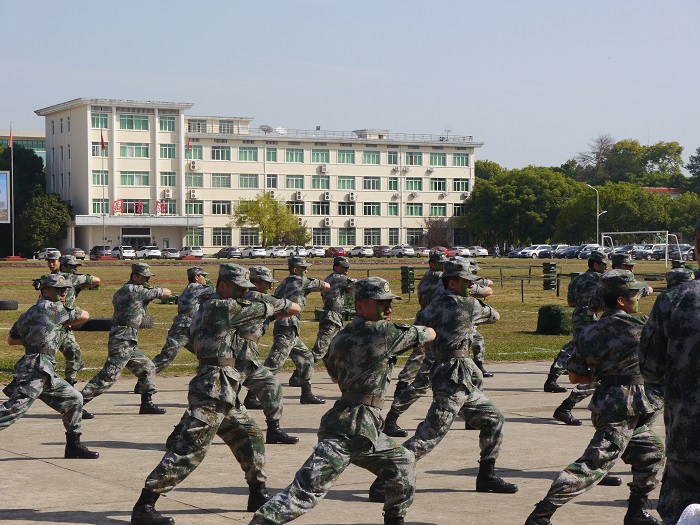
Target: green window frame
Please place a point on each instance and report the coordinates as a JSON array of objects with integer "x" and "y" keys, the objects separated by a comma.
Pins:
[
  {"x": 438, "y": 159},
  {"x": 371, "y": 208},
  {"x": 133, "y": 150},
  {"x": 194, "y": 180},
  {"x": 99, "y": 120},
  {"x": 221, "y": 153},
  {"x": 392, "y": 158},
  {"x": 248, "y": 180},
  {"x": 371, "y": 183},
  {"x": 167, "y": 123},
  {"x": 438, "y": 209},
  {"x": 221, "y": 207},
  {"x": 248, "y": 154},
  {"x": 371, "y": 157},
  {"x": 321, "y": 208},
  {"x": 460, "y": 159},
  {"x": 221, "y": 237},
  {"x": 97, "y": 150},
  {"x": 294, "y": 155},
  {"x": 296, "y": 207},
  {"x": 414, "y": 158},
  {"x": 393, "y": 236},
  {"x": 438, "y": 184},
  {"x": 458, "y": 210},
  {"x": 320, "y": 155},
  {"x": 221, "y": 180},
  {"x": 271, "y": 154},
  {"x": 193, "y": 207},
  {"x": 294, "y": 182},
  {"x": 320, "y": 182},
  {"x": 134, "y": 178},
  {"x": 196, "y": 152},
  {"x": 168, "y": 178},
  {"x": 346, "y": 182},
  {"x": 346, "y": 156},
  {"x": 393, "y": 210},
  {"x": 346, "y": 208},
  {"x": 100, "y": 178},
  {"x": 393, "y": 184},
  {"x": 414, "y": 184},
  {"x": 134, "y": 122},
  {"x": 414, "y": 209},
  {"x": 271, "y": 182},
  {"x": 460, "y": 185},
  {"x": 347, "y": 236},
  {"x": 167, "y": 151},
  {"x": 195, "y": 235},
  {"x": 100, "y": 206}
]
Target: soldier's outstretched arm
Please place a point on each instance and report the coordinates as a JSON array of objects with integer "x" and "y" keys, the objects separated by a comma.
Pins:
[
  {"x": 294, "y": 309},
  {"x": 84, "y": 316}
]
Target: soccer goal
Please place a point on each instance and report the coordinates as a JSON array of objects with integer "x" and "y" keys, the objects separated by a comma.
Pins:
[{"x": 658, "y": 237}]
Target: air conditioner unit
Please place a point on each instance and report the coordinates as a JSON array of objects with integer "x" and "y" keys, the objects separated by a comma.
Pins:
[
  {"x": 465, "y": 195},
  {"x": 298, "y": 196},
  {"x": 443, "y": 194},
  {"x": 395, "y": 168},
  {"x": 301, "y": 221},
  {"x": 327, "y": 221},
  {"x": 431, "y": 169},
  {"x": 352, "y": 196},
  {"x": 192, "y": 165},
  {"x": 396, "y": 195},
  {"x": 351, "y": 223},
  {"x": 167, "y": 193},
  {"x": 193, "y": 194},
  {"x": 324, "y": 168},
  {"x": 327, "y": 196},
  {"x": 406, "y": 168},
  {"x": 414, "y": 194},
  {"x": 272, "y": 194}
]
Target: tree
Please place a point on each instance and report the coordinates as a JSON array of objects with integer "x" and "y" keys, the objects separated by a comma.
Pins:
[
  {"x": 683, "y": 213},
  {"x": 693, "y": 167},
  {"x": 42, "y": 223},
  {"x": 593, "y": 160},
  {"x": 486, "y": 170},
  {"x": 625, "y": 160},
  {"x": 439, "y": 231},
  {"x": 275, "y": 222}
]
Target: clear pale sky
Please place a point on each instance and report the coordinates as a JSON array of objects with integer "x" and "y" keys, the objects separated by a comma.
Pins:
[{"x": 535, "y": 81}]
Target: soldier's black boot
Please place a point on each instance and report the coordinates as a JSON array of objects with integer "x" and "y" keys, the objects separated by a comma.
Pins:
[
  {"x": 308, "y": 397},
  {"x": 294, "y": 381},
  {"x": 145, "y": 513},
  {"x": 276, "y": 436},
  {"x": 480, "y": 365},
  {"x": 137, "y": 388},
  {"x": 551, "y": 384},
  {"x": 376, "y": 491},
  {"x": 487, "y": 481},
  {"x": 393, "y": 520},
  {"x": 251, "y": 402},
  {"x": 540, "y": 516},
  {"x": 258, "y": 496},
  {"x": 610, "y": 481},
  {"x": 637, "y": 511},
  {"x": 172, "y": 438},
  {"x": 72, "y": 381},
  {"x": 147, "y": 406},
  {"x": 76, "y": 450},
  {"x": 563, "y": 413},
  {"x": 391, "y": 426}
]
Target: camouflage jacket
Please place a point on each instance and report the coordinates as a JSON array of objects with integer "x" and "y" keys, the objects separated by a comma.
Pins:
[
  {"x": 130, "y": 303},
  {"x": 250, "y": 333},
  {"x": 431, "y": 280},
  {"x": 296, "y": 288},
  {"x": 582, "y": 290},
  {"x": 360, "y": 359},
  {"x": 76, "y": 280},
  {"x": 669, "y": 352},
  {"x": 188, "y": 303},
  {"x": 609, "y": 348},
  {"x": 334, "y": 298},
  {"x": 213, "y": 332}
]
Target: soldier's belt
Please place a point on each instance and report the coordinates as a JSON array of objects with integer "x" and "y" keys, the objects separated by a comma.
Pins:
[
  {"x": 40, "y": 351},
  {"x": 451, "y": 354},
  {"x": 250, "y": 336},
  {"x": 217, "y": 361},
  {"x": 373, "y": 401},
  {"x": 129, "y": 324},
  {"x": 621, "y": 380}
]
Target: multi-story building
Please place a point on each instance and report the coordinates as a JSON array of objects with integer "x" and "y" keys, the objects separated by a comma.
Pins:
[
  {"x": 33, "y": 140},
  {"x": 142, "y": 172}
]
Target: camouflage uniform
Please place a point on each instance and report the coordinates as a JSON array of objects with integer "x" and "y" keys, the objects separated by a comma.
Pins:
[{"x": 360, "y": 359}]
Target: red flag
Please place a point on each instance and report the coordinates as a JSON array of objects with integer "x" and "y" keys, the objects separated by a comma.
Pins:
[
  {"x": 188, "y": 142},
  {"x": 10, "y": 136},
  {"x": 102, "y": 141}
]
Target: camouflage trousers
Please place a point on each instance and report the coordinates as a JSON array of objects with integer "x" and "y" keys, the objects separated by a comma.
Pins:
[
  {"x": 30, "y": 385},
  {"x": 478, "y": 346},
  {"x": 122, "y": 354},
  {"x": 178, "y": 337},
  {"x": 288, "y": 344},
  {"x": 450, "y": 399},
  {"x": 680, "y": 486},
  {"x": 385, "y": 459},
  {"x": 411, "y": 368},
  {"x": 74, "y": 357},
  {"x": 204, "y": 419},
  {"x": 637, "y": 445},
  {"x": 330, "y": 324},
  {"x": 406, "y": 395},
  {"x": 582, "y": 390},
  {"x": 264, "y": 385}
]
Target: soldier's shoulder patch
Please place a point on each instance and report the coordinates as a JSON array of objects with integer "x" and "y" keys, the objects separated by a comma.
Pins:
[
  {"x": 243, "y": 302},
  {"x": 402, "y": 326}
]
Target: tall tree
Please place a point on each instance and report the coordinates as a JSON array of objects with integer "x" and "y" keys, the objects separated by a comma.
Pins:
[
  {"x": 486, "y": 169},
  {"x": 42, "y": 223},
  {"x": 693, "y": 168},
  {"x": 275, "y": 222},
  {"x": 593, "y": 161}
]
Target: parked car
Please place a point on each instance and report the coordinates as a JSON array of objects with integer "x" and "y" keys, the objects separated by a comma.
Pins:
[
  {"x": 659, "y": 251},
  {"x": 315, "y": 251},
  {"x": 402, "y": 250},
  {"x": 170, "y": 253},
  {"x": 478, "y": 251},
  {"x": 515, "y": 253},
  {"x": 627, "y": 248},
  {"x": 572, "y": 251},
  {"x": 276, "y": 251},
  {"x": 191, "y": 251},
  {"x": 100, "y": 251},
  {"x": 124, "y": 252},
  {"x": 44, "y": 252},
  {"x": 556, "y": 251},
  {"x": 423, "y": 251},
  {"x": 535, "y": 251},
  {"x": 253, "y": 251},
  {"x": 75, "y": 252},
  {"x": 148, "y": 252},
  {"x": 228, "y": 253},
  {"x": 682, "y": 252},
  {"x": 462, "y": 251},
  {"x": 361, "y": 251},
  {"x": 298, "y": 251},
  {"x": 587, "y": 249},
  {"x": 644, "y": 252},
  {"x": 335, "y": 251},
  {"x": 446, "y": 251},
  {"x": 382, "y": 251}
]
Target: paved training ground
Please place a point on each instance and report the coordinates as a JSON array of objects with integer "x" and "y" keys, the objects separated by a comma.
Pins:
[{"x": 39, "y": 486}]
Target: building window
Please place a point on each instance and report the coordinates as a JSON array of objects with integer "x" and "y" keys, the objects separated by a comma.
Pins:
[
  {"x": 68, "y": 123},
  {"x": 321, "y": 208},
  {"x": 294, "y": 155},
  {"x": 97, "y": 150},
  {"x": 321, "y": 236},
  {"x": 296, "y": 207},
  {"x": 392, "y": 158},
  {"x": 195, "y": 152},
  {"x": 53, "y": 127},
  {"x": 100, "y": 177},
  {"x": 133, "y": 178},
  {"x": 320, "y": 155},
  {"x": 394, "y": 209},
  {"x": 414, "y": 158},
  {"x": 197, "y": 126},
  {"x": 167, "y": 151},
  {"x": 460, "y": 159},
  {"x": 370, "y": 157},
  {"x": 271, "y": 154},
  {"x": 100, "y": 206},
  {"x": 194, "y": 236},
  {"x": 221, "y": 180},
  {"x": 99, "y": 120},
  {"x": 168, "y": 207},
  {"x": 221, "y": 237},
  {"x": 414, "y": 209},
  {"x": 250, "y": 236},
  {"x": 137, "y": 122},
  {"x": 248, "y": 154},
  {"x": 438, "y": 210},
  {"x": 438, "y": 184},
  {"x": 371, "y": 183},
  {"x": 372, "y": 236},
  {"x": 460, "y": 185},
  {"x": 133, "y": 149},
  {"x": 346, "y": 183},
  {"x": 393, "y": 184},
  {"x": 414, "y": 184},
  {"x": 346, "y": 208},
  {"x": 221, "y": 207},
  {"x": 61, "y": 180},
  {"x": 248, "y": 180},
  {"x": 346, "y": 156},
  {"x": 320, "y": 182},
  {"x": 167, "y": 178},
  {"x": 271, "y": 181},
  {"x": 393, "y": 236},
  {"x": 347, "y": 236},
  {"x": 294, "y": 182},
  {"x": 438, "y": 159},
  {"x": 68, "y": 151},
  {"x": 167, "y": 123},
  {"x": 61, "y": 152},
  {"x": 60, "y": 125},
  {"x": 414, "y": 236},
  {"x": 135, "y": 206},
  {"x": 193, "y": 207},
  {"x": 221, "y": 153},
  {"x": 226, "y": 126},
  {"x": 458, "y": 210},
  {"x": 371, "y": 208},
  {"x": 194, "y": 180}
]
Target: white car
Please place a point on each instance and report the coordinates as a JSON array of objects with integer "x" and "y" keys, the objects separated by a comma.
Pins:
[
  {"x": 43, "y": 253},
  {"x": 402, "y": 250},
  {"x": 276, "y": 251},
  {"x": 148, "y": 252},
  {"x": 423, "y": 251},
  {"x": 478, "y": 251},
  {"x": 253, "y": 251},
  {"x": 170, "y": 253},
  {"x": 362, "y": 251},
  {"x": 315, "y": 251},
  {"x": 123, "y": 252},
  {"x": 192, "y": 251},
  {"x": 462, "y": 251},
  {"x": 534, "y": 251},
  {"x": 298, "y": 251}
]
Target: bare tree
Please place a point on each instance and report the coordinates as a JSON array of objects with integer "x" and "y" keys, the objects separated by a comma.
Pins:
[
  {"x": 594, "y": 159},
  {"x": 438, "y": 231}
]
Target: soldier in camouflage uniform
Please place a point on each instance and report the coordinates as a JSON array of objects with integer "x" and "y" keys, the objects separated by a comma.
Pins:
[
  {"x": 360, "y": 360},
  {"x": 606, "y": 352},
  {"x": 130, "y": 303},
  {"x": 287, "y": 342},
  {"x": 40, "y": 331},
  {"x": 214, "y": 408},
  {"x": 333, "y": 303},
  {"x": 198, "y": 288},
  {"x": 669, "y": 352}
]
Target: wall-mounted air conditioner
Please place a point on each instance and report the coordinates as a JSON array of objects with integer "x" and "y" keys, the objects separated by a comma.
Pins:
[
  {"x": 324, "y": 168},
  {"x": 351, "y": 223},
  {"x": 327, "y": 221},
  {"x": 193, "y": 194},
  {"x": 327, "y": 196},
  {"x": 167, "y": 193}
]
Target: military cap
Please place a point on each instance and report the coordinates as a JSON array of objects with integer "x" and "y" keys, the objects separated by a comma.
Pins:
[
  {"x": 618, "y": 259},
  {"x": 678, "y": 275},
  {"x": 261, "y": 273},
  {"x": 297, "y": 261},
  {"x": 140, "y": 268},
  {"x": 194, "y": 271},
  {"x": 599, "y": 256},
  {"x": 342, "y": 261},
  {"x": 437, "y": 256},
  {"x": 55, "y": 280},
  {"x": 70, "y": 260},
  {"x": 236, "y": 274},
  {"x": 373, "y": 288},
  {"x": 467, "y": 260},
  {"x": 618, "y": 282},
  {"x": 458, "y": 268},
  {"x": 53, "y": 256}
]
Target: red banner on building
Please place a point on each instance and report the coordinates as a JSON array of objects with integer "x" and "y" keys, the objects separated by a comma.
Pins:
[{"x": 118, "y": 206}]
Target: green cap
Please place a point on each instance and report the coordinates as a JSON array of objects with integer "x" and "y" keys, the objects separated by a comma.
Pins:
[
  {"x": 342, "y": 261},
  {"x": 467, "y": 260},
  {"x": 458, "y": 268},
  {"x": 194, "y": 271},
  {"x": 55, "y": 280},
  {"x": 53, "y": 256},
  {"x": 599, "y": 256},
  {"x": 373, "y": 288},
  {"x": 678, "y": 275},
  {"x": 70, "y": 260},
  {"x": 618, "y": 259},
  {"x": 236, "y": 274},
  {"x": 297, "y": 261},
  {"x": 618, "y": 282},
  {"x": 140, "y": 268},
  {"x": 437, "y": 256},
  {"x": 261, "y": 273}
]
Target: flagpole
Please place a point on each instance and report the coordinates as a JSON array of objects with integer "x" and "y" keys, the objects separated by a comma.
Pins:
[
  {"x": 12, "y": 185},
  {"x": 102, "y": 154}
]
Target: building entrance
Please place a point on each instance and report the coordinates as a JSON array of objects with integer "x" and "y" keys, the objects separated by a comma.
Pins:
[{"x": 136, "y": 237}]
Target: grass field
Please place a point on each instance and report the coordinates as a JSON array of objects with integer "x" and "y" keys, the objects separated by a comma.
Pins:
[{"x": 512, "y": 339}]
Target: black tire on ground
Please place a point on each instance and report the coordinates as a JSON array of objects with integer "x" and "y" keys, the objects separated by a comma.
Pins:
[
  {"x": 9, "y": 304},
  {"x": 147, "y": 321},
  {"x": 98, "y": 324}
]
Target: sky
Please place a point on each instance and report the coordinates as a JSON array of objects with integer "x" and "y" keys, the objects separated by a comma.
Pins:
[{"x": 534, "y": 80}]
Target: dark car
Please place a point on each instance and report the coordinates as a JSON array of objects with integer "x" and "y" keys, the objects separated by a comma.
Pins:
[
  {"x": 514, "y": 254},
  {"x": 682, "y": 252},
  {"x": 572, "y": 251},
  {"x": 644, "y": 252},
  {"x": 229, "y": 253},
  {"x": 335, "y": 251},
  {"x": 100, "y": 251},
  {"x": 659, "y": 251},
  {"x": 382, "y": 251}
]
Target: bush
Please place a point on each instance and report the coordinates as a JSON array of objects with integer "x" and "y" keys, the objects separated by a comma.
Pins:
[{"x": 554, "y": 319}]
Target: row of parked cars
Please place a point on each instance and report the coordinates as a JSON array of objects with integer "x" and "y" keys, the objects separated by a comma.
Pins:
[
  {"x": 127, "y": 252},
  {"x": 647, "y": 252}
]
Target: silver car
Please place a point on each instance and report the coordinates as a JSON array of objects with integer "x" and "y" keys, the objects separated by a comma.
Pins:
[
  {"x": 253, "y": 251},
  {"x": 123, "y": 252},
  {"x": 402, "y": 250}
]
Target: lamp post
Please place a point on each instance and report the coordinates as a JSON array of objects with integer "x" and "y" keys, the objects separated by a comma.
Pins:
[{"x": 598, "y": 213}]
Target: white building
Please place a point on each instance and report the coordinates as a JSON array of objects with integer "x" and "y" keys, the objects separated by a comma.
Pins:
[{"x": 172, "y": 179}]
